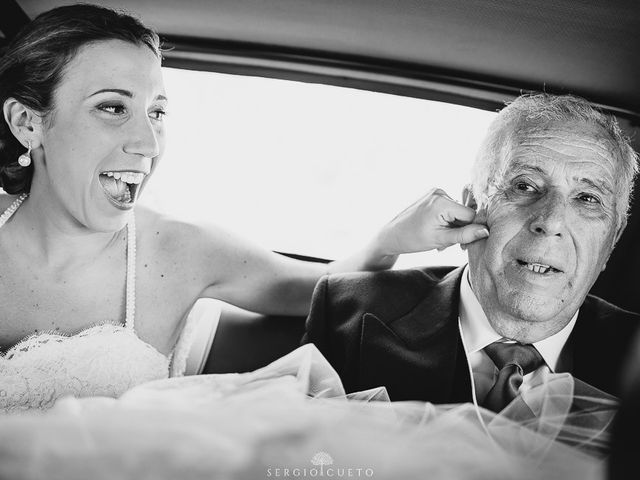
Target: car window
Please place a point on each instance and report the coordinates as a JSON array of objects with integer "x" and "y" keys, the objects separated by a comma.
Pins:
[{"x": 307, "y": 168}]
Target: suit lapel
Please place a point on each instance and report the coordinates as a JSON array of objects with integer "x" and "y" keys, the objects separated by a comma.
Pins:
[
  {"x": 418, "y": 356},
  {"x": 598, "y": 342}
]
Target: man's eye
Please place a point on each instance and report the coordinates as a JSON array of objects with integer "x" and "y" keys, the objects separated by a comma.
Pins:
[
  {"x": 113, "y": 109},
  {"x": 524, "y": 187},
  {"x": 588, "y": 198}
]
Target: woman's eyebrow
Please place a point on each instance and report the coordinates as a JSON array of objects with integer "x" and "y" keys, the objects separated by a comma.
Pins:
[{"x": 125, "y": 93}]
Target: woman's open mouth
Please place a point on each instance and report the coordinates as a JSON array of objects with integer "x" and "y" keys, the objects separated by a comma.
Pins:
[{"x": 121, "y": 187}]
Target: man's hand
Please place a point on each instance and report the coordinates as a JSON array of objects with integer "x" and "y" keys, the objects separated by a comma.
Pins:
[{"x": 435, "y": 221}]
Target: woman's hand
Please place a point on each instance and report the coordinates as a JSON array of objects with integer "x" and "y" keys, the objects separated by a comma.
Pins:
[{"x": 435, "y": 221}]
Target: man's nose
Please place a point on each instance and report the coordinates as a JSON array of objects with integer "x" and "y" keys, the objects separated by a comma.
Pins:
[
  {"x": 143, "y": 138},
  {"x": 549, "y": 218}
]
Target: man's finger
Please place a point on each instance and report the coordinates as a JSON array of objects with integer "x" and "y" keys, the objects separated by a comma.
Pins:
[{"x": 467, "y": 234}]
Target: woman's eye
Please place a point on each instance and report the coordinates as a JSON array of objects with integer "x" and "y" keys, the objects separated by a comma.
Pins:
[
  {"x": 588, "y": 198},
  {"x": 158, "y": 114},
  {"x": 113, "y": 109}
]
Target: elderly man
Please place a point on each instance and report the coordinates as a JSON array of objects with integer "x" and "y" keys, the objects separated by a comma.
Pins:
[{"x": 552, "y": 184}]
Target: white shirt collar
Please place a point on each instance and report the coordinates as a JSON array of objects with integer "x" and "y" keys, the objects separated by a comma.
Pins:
[{"x": 478, "y": 332}]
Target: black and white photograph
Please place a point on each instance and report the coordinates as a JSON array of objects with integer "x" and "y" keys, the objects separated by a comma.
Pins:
[{"x": 319, "y": 239}]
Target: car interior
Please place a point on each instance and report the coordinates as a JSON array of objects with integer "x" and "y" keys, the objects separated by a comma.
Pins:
[{"x": 475, "y": 53}]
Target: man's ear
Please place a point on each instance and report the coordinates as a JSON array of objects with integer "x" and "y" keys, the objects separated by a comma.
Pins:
[
  {"x": 468, "y": 199},
  {"x": 619, "y": 232},
  {"x": 24, "y": 123}
]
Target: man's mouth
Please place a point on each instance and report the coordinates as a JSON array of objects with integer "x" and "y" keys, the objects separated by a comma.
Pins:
[
  {"x": 121, "y": 187},
  {"x": 540, "y": 268}
]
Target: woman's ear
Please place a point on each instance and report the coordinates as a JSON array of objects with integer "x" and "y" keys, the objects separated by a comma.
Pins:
[
  {"x": 24, "y": 123},
  {"x": 468, "y": 199}
]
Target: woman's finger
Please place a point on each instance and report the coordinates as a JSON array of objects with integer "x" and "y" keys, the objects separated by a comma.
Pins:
[
  {"x": 454, "y": 213},
  {"x": 463, "y": 235}
]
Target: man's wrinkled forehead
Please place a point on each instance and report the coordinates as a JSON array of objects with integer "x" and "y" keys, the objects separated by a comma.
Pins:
[{"x": 583, "y": 150}]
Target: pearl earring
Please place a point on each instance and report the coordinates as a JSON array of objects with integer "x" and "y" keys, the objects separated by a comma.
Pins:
[{"x": 25, "y": 159}]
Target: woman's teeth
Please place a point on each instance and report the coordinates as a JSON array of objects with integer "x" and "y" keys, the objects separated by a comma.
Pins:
[
  {"x": 128, "y": 177},
  {"x": 121, "y": 187}
]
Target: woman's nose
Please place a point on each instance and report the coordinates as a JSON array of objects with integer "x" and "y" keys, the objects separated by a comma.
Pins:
[{"x": 143, "y": 138}]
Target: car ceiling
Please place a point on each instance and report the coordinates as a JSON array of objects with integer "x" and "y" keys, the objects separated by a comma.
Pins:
[{"x": 494, "y": 47}]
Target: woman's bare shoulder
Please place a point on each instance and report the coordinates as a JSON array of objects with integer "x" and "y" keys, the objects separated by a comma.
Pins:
[
  {"x": 179, "y": 242},
  {"x": 167, "y": 232},
  {"x": 202, "y": 254}
]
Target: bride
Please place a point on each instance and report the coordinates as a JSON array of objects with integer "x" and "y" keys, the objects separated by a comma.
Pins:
[{"x": 95, "y": 289}]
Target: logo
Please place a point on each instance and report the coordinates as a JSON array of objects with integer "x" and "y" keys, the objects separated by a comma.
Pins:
[
  {"x": 323, "y": 467},
  {"x": 322, "y": 459}
]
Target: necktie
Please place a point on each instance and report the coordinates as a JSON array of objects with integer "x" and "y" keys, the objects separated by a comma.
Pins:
[{"x": 514, "y": 361}]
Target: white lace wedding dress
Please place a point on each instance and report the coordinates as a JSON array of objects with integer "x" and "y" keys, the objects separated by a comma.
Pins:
[
  {"x": 291, "y": 419},
  {"x": 102, "y": 360}
]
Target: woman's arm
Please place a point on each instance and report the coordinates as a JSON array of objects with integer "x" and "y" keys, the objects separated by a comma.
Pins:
[{"x": 238, "y": 272}]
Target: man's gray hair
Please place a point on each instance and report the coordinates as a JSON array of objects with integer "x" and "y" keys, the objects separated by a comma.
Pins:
[{"x": 529, "y": 113}]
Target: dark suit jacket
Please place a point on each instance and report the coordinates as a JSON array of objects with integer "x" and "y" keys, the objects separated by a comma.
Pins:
[{"x": 400, "y": 329}]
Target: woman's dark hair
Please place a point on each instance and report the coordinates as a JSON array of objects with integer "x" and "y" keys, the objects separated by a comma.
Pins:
[{"x": 32, "y": 65}]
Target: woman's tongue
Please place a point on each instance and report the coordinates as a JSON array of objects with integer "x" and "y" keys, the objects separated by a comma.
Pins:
[{"x": 117, "y": 189}]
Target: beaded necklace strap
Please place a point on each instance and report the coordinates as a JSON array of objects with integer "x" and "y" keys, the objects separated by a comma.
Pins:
[
  {"x": 6, "y": 215},
  {"x": 130, "y": 309}
]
